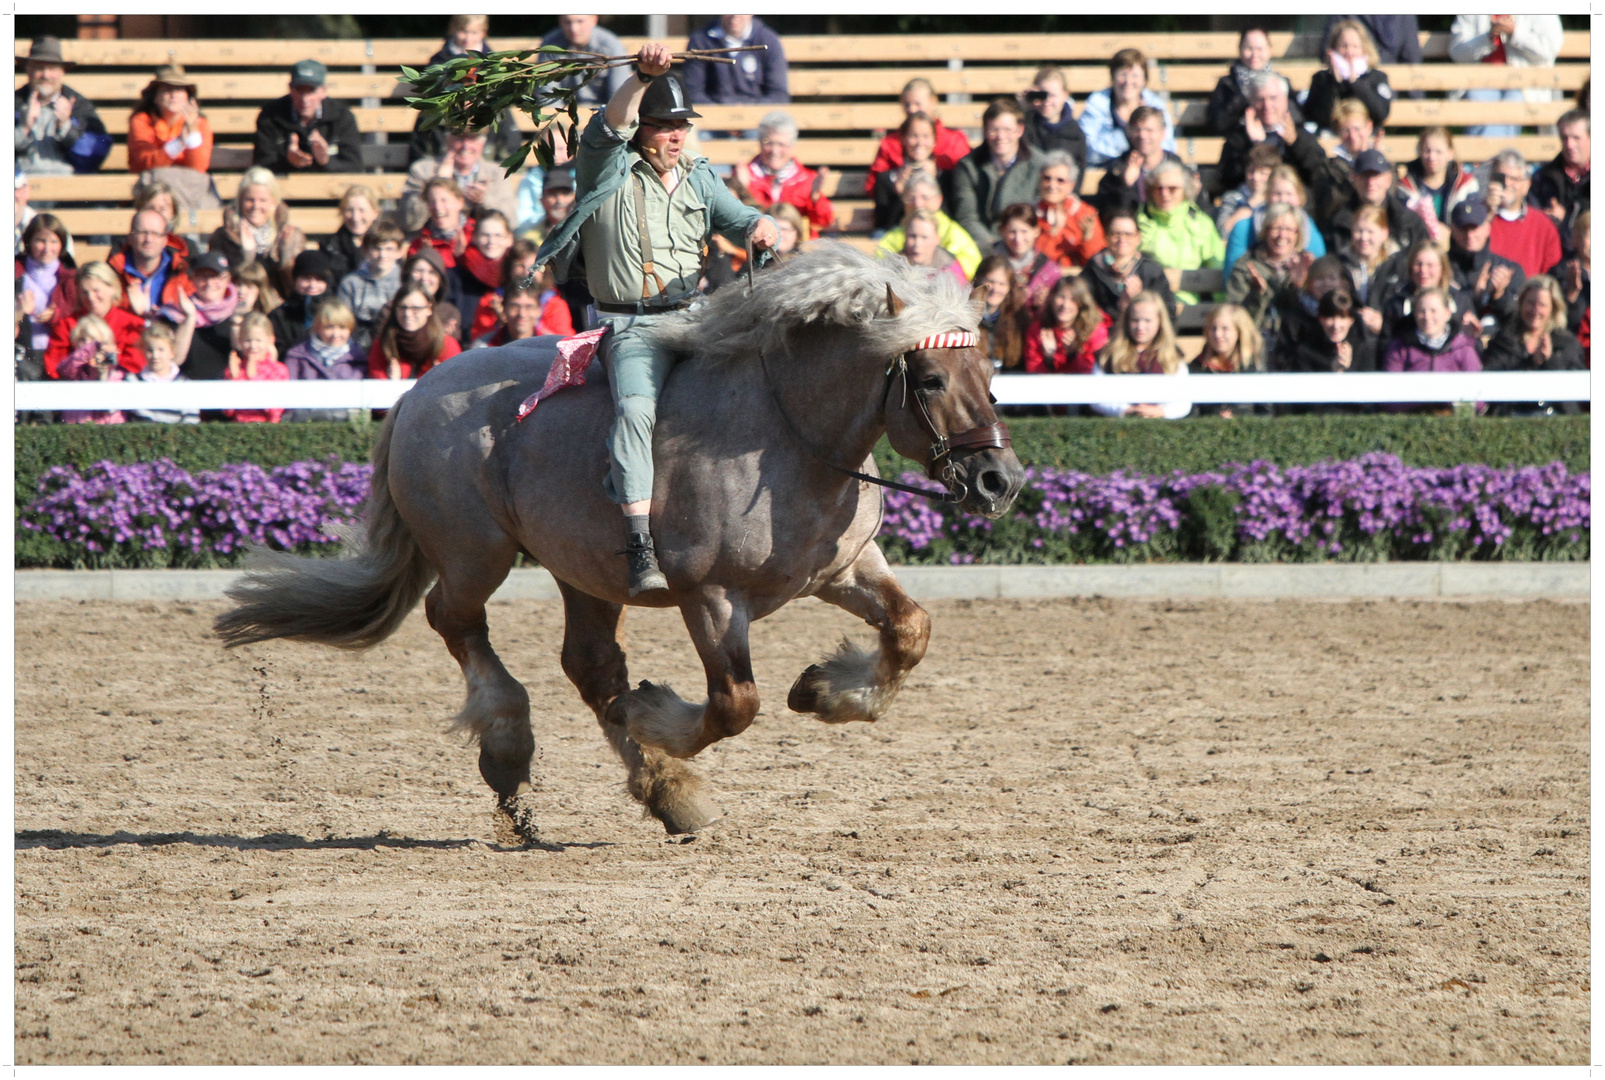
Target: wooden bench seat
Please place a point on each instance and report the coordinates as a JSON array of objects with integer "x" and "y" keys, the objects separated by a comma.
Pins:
[{"x": 800, "y": 48}]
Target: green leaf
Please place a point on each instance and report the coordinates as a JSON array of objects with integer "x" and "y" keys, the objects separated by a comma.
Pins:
[
  {"x": 515, "y": 161},
  {"x": 410, "y": 74},
  {"x": 543, "y": 154}
]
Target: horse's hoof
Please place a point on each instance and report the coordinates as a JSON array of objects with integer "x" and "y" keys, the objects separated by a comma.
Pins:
[
  {"x": 807, "y": 691},
  {"x": 514, "y": 822},
  {"x": 688, "y": 814}
]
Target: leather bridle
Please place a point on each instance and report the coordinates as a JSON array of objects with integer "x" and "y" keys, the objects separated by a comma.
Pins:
[{"x": 941, "y": 466}]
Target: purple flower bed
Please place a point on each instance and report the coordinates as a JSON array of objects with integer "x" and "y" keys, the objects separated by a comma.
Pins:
[
  {"x": 1370, "y": 508},
  {"x": 1366, "y": 509},
  {"x": 157, "y": 514}
]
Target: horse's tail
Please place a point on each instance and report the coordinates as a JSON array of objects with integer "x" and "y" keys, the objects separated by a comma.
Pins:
[{"x": 353, "y": 602}]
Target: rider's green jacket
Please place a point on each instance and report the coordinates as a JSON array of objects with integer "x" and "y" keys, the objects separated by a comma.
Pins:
[{"x": 699, "y": 206}]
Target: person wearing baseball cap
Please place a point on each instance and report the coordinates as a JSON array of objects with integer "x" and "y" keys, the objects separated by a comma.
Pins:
[
  {"x": 52, "y": 118},
  {"x": 306, "y": 130},
  {"x": 1370, "y": 184},
  {"x": 1492, "y": 281},
  {"x": 643, "y": 218}
]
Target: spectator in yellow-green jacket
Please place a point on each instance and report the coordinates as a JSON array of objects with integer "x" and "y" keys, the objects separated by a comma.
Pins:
[
  {"x": 1175, "y": 232},
  {"x": 923, "y": 193}
]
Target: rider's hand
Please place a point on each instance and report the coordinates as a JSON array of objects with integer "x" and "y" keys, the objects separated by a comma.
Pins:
[
  {"x": 765, "y": 235},
  {"x": 653, "y": 59}
]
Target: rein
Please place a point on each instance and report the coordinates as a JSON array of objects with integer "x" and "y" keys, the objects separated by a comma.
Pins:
[{"x": 941, "y": 467}]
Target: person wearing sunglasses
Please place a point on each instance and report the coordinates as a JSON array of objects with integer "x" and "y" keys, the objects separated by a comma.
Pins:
[{"x": 643, "y": 215}]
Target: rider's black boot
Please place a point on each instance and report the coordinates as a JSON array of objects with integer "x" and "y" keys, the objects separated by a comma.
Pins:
[{"x": 644, "y": 573}]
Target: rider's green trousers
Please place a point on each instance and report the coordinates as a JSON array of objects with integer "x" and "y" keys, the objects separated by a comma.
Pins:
[{"x": 637, "y": 369}]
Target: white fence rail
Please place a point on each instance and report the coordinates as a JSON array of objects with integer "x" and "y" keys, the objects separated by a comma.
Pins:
[{"x": 1273, "y": 388}]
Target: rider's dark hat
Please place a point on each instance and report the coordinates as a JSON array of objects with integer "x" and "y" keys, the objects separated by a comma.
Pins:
[{"x": 666, "y": 99}]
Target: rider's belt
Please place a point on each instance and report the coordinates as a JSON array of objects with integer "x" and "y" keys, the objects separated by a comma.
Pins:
[{"x": 641, "y": 309}]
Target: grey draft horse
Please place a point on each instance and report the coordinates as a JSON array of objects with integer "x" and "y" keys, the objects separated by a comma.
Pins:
[{"x": 787, "y": 384}]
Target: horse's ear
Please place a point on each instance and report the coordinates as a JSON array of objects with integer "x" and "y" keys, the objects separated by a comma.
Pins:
[{"x": 894, "y": 306}]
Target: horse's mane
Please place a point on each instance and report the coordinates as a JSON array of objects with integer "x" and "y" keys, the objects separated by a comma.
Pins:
[{"x": 830, "y": 283}]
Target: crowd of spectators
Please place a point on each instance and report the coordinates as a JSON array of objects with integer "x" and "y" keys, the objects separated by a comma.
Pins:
[{"x": 1340, "y": 261}]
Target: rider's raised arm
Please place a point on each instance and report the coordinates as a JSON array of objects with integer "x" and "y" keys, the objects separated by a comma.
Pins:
[{"x": 625, "y": 105}]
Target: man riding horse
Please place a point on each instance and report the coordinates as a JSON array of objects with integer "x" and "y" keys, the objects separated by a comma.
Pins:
[{"x": 637, "y": 235}]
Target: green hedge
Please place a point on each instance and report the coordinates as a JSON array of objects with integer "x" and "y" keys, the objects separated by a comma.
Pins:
[{"x": 1094, "y": 446}]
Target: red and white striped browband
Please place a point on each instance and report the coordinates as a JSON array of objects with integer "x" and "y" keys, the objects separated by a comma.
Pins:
[{"x": 954, "y": 339}]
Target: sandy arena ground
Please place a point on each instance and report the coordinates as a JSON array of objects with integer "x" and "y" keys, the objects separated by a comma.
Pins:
[{"x": 1092, "y": 831}]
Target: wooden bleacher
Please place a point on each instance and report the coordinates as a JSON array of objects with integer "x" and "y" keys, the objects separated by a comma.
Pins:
[{"x": 844, "y": 97}]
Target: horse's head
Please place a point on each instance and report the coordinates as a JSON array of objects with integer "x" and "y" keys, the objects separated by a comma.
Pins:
[{"x": 939, "y": 413}]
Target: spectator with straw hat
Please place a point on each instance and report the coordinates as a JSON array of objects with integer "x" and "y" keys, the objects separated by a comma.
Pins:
[{"x": 166, "y": 128}]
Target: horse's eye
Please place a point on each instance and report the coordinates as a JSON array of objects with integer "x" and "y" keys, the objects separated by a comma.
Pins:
[{"x": 933, "y": 384}]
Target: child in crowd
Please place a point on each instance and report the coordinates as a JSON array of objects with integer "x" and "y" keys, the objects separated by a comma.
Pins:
[
  {"x": 164, "y": 348},
  {"x": 426, "y": 268},
  {"x": 311, "y": 280},
  {"x": 479, "y": 269},
  {"x": 368, "y": 288},
  {"x": 1232, "y": 344},
  {"x": 521, "y": 317},
  {"x": 255, "y": 359},
  {"x": 1035, "y": 272},
  {"x": 1002, "y": 312},
  {"x": 448, "y": 230},
  {"x": 1144, "y": 343},
  {"x": 330, "y": 351},
  {"x": 1067, "y": 337},
  {"x": 1436, "y": 343},
  {"x": 93, "y": 357}
]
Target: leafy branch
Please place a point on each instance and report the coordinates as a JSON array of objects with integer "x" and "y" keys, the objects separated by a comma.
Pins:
[{"x": 471, "y": 92}]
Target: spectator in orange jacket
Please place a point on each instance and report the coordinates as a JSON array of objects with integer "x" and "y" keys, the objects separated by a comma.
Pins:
[
  {"x": 1071, "y": 232},
  {"x": 166, "y": 128},
  {"x": 153, "y": 271},
  {"x": 776, "y": 176},
  {"x": 919, "y": 96}
]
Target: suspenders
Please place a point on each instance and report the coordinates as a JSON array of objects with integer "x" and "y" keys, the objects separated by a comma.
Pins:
[{"x": 647, "y": 268}]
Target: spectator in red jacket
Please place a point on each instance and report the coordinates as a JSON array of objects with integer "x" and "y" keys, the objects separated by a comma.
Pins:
[
  {"x": 449, "y": 230},
  {"x": 100, "y": 292},
  {"x": 154, "y": 271},
  {"x": 919, "y": 96},
  {"x": 1066, "y": 338},
  {"x": 166, "y": 128},
  {"x": 411, "y": 338},
  {"x": 776, "y": 176},
  {"x": 1525, "y": 236}
]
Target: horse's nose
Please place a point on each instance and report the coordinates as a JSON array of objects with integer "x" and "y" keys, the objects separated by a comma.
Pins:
[{"x": 993, "y": 484}]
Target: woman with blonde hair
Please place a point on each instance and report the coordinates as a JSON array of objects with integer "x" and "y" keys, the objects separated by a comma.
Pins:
[
  {"x": 1351, "y": 72},
  {"x": 1232, "y": 345},
  {"x": 100, "y": 293},
  {"x": 1374, "y": 263},
  {"x": 1283, "y": 186},
  {"x": 1144, "y": 343},
  {"x": 359, "y": 209},
  {"x": 1535, "y": 340},
  {"x": 256, "y": 225},
  {"x": 1267, "y": 280},
  {"x": 1426, "y": 266}
]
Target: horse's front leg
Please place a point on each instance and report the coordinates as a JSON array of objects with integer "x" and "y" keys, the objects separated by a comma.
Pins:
[
  {"x": 655, "y": 715},
  {"x": 857, "y": 683}
]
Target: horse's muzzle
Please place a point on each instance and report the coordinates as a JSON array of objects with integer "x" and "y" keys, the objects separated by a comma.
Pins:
[{"x": 992, "y": 480}]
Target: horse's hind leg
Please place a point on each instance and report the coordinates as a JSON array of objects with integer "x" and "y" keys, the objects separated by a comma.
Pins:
[
  {"x": 496, "y": 709},
  {"x": 593, "y": 660},
  {"x": 855, "y": 683}
]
